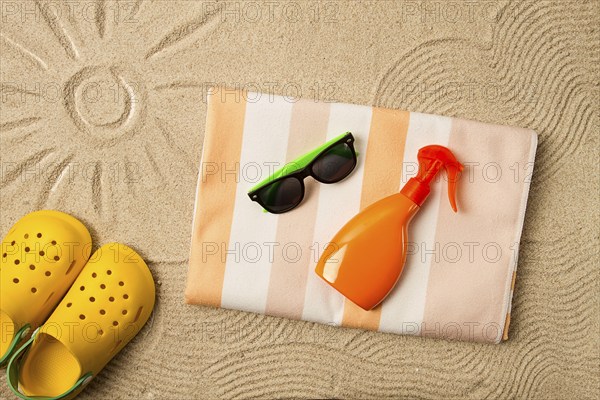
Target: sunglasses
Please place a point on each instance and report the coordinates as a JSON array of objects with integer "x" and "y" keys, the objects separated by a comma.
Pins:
[{"x": 329, "y": 163}]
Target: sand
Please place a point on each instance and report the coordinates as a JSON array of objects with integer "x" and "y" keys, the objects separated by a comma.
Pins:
[{"x": 103, "y": 117}]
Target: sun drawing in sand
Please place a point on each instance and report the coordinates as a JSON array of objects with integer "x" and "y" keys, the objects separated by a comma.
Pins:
[{"x": 82, "y": 118}]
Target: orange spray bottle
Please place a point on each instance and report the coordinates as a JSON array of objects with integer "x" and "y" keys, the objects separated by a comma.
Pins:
[{"x": 366, "y": 257}]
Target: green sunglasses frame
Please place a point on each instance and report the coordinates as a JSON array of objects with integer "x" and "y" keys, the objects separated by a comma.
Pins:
[{"x": 301, "y": 168}]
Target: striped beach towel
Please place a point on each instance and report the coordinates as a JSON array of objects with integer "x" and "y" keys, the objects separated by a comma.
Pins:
[{"x": 460, "y": 271}]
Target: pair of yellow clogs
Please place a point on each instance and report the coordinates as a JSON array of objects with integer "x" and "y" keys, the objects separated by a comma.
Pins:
[{"x": 64, "y": 314}]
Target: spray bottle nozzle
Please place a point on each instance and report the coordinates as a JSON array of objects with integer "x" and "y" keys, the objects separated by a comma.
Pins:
[{"x": 431, "y": 160}]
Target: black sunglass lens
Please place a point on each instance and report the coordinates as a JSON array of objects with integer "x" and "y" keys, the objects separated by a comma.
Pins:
[
  {"x": 335, "y": 164},
  {"x": 281, "y": 195}
]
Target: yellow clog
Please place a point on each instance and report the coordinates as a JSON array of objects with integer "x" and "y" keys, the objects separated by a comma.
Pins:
[
  {"x": 42, "y": 254},
  {"x": 106, "y": 307}
]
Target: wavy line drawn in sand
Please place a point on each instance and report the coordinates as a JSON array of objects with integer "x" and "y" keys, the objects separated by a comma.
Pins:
[{"x": 548, "y": 81}]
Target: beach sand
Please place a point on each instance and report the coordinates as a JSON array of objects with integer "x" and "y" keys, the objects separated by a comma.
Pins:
[{"x": 103, "y": 116}]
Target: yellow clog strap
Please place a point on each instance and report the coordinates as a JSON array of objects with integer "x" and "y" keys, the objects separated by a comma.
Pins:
[
  {"x": 12, "y": 375},
  {"x": 20, "y": 335}
]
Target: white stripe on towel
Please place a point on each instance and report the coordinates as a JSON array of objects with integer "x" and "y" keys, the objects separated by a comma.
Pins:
[
  {"x": 337, "y": 204},
  {"x": 248, "y": 266},
  {"x": 402, "y": 311}
]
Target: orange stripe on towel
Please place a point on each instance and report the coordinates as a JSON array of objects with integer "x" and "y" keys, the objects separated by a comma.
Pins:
[
  {"x": 219, "y": 172},
  {"x": 383, "y": 171},
  {"x": 289, "y": 271}
]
